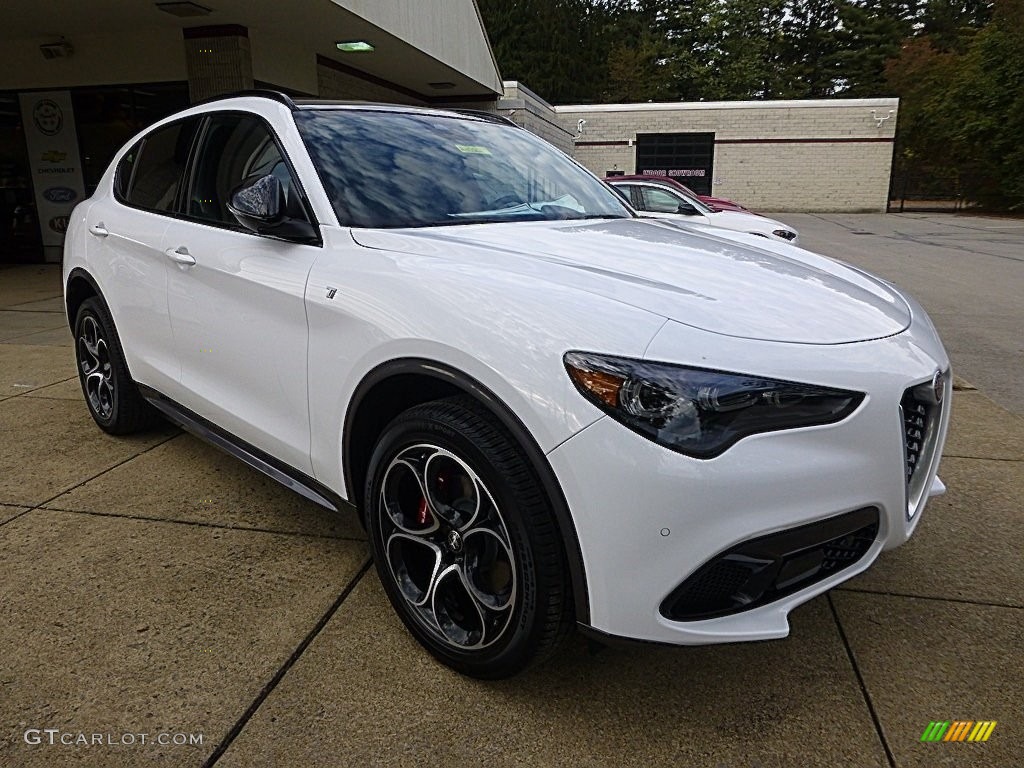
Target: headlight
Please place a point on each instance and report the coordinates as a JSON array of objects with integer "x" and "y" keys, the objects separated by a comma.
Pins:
[
  {"x": 700, "y": 412},
  {"x": 785, "y": 234}
]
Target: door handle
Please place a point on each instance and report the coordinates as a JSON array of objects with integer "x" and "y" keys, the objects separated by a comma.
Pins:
[
  {"x": 180, "y": 255},
  {"x": 99, "y": 230}
]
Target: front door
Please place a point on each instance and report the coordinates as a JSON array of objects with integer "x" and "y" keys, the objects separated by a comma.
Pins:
[{"x": 236, "y": 299}]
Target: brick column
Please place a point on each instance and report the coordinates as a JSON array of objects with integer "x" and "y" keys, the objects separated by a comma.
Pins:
[{"x": 218, "y": 59}]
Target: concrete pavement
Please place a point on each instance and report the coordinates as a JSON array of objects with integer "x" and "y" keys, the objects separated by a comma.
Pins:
[{"x": 152, "y": 585}]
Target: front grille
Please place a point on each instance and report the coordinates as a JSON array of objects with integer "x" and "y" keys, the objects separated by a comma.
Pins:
[
  {"x": 767, "y": 568},
  {"x": 921, "y": 411},
  {"x": 916, "y": 415}
]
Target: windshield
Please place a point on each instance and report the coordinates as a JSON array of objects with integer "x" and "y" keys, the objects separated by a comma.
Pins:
[{"x": 387, "y": 169}]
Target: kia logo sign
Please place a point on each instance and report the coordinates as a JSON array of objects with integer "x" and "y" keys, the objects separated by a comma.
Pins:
[
  {"x": 60, "y": 194},
  {"x": 59, "y": 224}
]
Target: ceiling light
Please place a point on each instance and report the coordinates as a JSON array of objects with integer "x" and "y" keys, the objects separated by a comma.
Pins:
[
  {"x": 354, "y": 46},
  {"x": 184, "y": 9}
]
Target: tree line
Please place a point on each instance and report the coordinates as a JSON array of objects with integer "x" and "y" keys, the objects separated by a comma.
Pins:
[{"x": 957, "y": 66}]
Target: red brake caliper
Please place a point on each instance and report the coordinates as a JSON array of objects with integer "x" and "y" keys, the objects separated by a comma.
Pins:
[{"x": 423, "y": 516}]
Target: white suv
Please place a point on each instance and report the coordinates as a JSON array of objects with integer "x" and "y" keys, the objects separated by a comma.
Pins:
[{"x": 547, "y": 411}]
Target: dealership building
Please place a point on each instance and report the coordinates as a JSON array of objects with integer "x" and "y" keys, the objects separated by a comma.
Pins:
[{"x": 78, "y": 78}]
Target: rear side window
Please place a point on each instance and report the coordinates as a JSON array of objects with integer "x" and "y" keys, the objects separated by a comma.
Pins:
[
  {"x": 159, "y": 166},
  {"x": 123, "y": 174},
  {"x": 236, "y": 148}
]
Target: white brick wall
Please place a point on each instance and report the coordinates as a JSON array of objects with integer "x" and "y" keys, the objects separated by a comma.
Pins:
[
  {"x": 528, "y": 110},
  {"x": 790, "y": 163}
]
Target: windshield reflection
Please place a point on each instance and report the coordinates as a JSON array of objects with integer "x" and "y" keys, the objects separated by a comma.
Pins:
[{"x": 385, "y": 169}]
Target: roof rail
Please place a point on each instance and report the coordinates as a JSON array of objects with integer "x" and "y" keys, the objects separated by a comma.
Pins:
[
  {"x": 262, "y": 93},
  {"x": 491, "y": 117}
]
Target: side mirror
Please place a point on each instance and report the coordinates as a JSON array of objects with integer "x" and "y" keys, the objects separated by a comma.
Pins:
[
  {"x": 687, "y": 210},
  {"x": 259, "y": 206},
  {"x": 257, "y": 203}
]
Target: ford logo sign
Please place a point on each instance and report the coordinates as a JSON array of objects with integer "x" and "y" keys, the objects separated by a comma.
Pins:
[
  {"x": 59, "y": 224},
  {"x": 60, "y": 194}
]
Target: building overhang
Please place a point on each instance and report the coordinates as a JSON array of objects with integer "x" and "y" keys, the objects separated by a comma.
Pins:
[{"x": 435, "y": 49}]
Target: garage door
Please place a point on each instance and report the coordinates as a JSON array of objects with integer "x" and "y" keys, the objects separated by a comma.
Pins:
[{"x": 688, "y": 157}]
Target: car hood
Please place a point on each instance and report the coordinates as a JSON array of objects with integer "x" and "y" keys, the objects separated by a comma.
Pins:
[
  {"x": 745, "y": 222},
  {"x": 785, "y": 294}
]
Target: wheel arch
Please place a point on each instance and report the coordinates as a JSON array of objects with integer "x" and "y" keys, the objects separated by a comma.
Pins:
[
  {"x": 80, "y": 286},
  {"x": 396, "y": 386}
]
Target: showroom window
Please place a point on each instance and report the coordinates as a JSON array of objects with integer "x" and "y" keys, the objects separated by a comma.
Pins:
[{"x": 107, "y": 117}]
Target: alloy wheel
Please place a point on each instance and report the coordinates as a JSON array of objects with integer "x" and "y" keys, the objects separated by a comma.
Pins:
[
  {"x": 94, "y": 360},
  {"x": 447, "y": 547}
]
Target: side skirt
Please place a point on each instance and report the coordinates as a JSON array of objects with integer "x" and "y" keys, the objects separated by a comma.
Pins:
[{"x": 209, "y": 432}]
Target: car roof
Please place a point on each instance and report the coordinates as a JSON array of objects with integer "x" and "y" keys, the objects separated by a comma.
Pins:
[
  {"x": 302, "y": 104},
  {"x": 664, "y": 180},
  {"x": 654, "y": 182}
]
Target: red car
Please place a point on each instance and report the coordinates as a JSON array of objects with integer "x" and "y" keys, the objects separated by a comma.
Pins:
[{"x": 715, "y": 203}]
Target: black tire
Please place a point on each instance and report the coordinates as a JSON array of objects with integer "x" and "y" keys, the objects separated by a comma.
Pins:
[
  {"x": 112, "y": 397},
  {"x": 503, "y": 599}
]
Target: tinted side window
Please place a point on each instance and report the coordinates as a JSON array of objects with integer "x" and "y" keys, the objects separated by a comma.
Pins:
[
  {"x": 123, "y": 174},
  {"x": 236, "y": 148},
  {"x": 631, "y": 194},
  {"x": 659, "y": 201},
  {"x": 160, "y": 165}
]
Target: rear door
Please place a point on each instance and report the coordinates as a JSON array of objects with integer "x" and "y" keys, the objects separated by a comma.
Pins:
[
  {"x": 125, "y": 236},
  {"x": 236, "y": 299}
]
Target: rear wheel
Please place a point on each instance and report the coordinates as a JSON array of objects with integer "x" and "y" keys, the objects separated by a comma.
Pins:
[
  {"x": 112, "y": 397},
  {"x": 465, "y": 541}
]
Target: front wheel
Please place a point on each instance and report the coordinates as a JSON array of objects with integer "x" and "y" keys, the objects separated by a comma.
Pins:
[{"x": 465, "y": 541}]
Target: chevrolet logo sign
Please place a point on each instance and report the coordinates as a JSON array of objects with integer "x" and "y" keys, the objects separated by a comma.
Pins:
[{"x": 53, "y": 156}]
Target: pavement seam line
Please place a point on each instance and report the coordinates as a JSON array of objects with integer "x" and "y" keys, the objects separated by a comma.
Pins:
[
  {"x": 262, "y": 696},
  {"x": 43, "y": 386},
  {"x": 945, "y": 455},
  {"x": 13, "y": 340},
  {"x": 880, "y": 732},
  {"x": 906, "y": 596},
  {"x": 87, "y": 480},
  {"x": 200, "y": 523}
]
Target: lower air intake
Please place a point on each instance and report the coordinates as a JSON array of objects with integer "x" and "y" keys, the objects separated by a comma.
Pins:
[{"x": 767, "y": 568}]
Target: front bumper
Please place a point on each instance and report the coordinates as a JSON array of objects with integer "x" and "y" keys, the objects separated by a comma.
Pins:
[{"x": 647, "y": 518}]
